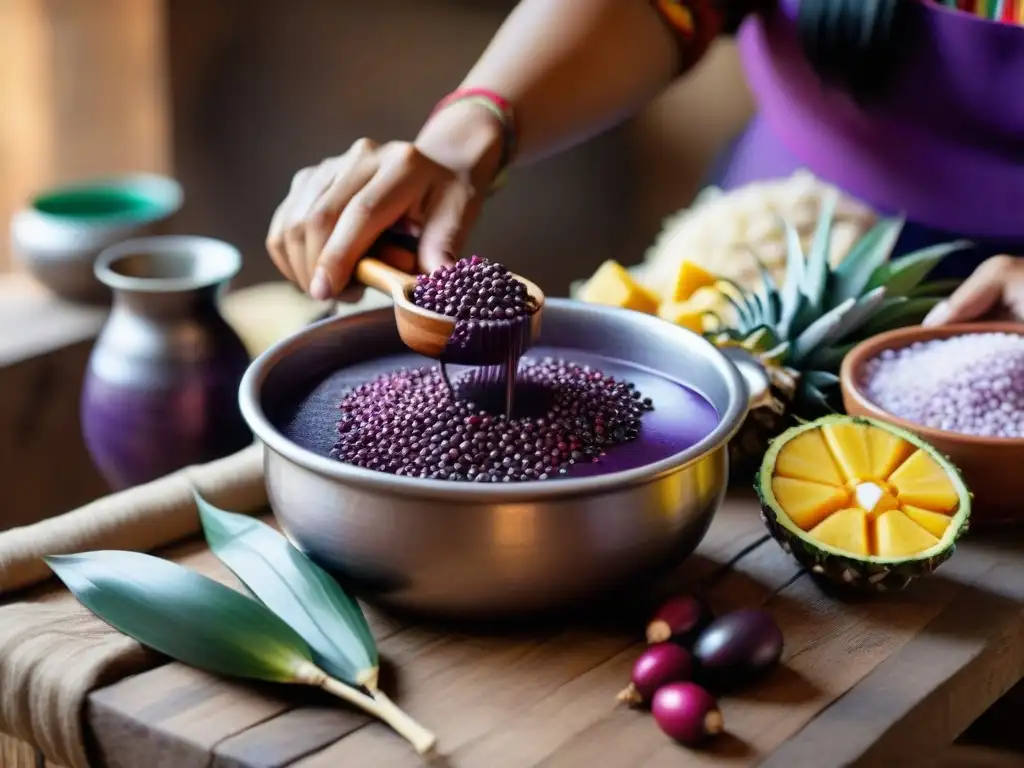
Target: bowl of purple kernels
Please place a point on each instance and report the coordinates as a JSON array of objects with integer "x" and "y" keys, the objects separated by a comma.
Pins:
[
  {"x": 961, "y": 388},
  {"x": 420, "y": 491}
]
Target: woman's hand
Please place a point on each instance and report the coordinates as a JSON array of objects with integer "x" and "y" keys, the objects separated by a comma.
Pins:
[
  {"x": 994, "y": 291},
  {"x": 335, "y": 212}
]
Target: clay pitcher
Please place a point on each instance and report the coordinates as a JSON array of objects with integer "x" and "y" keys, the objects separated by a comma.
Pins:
[{"x": 161, "y": 388}]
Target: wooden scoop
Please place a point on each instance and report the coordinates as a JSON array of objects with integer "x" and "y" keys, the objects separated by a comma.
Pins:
[{"x": 423, "y": 331}]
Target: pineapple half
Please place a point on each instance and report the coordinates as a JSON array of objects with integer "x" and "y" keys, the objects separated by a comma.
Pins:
[
  {"x": 790, "y": 341},
  {"x": 862, "y": 503}
]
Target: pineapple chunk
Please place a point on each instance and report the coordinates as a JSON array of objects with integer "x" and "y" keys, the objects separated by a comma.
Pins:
[
  {"x": 681, "y": 313},
  {"x": 896, "y": 535},
  {"x": 849, "y": 445},
  {"x": 710, "y": 299},
  {"x": 613, "y": 286},
  {"x": 933, "y": 522},
  {"x": 921, "y": 482},
  {"x": 806, "y": 457},
  {"x": 807, "y": 503},
  {"x": 888, "y": 451},
  {"x": 689, "y": 279},
  {"x": 847, "y": 530}
]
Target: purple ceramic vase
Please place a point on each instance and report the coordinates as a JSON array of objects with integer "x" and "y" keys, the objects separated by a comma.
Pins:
[{"x": 161, "y": 389}]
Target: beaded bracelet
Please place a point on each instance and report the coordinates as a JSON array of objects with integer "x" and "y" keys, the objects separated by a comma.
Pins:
[
  {"x": 695, "y": 24},
  {"x": 501, "y": 108}
]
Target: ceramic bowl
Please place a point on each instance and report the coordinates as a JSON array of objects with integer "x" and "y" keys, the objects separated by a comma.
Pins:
[
  {"x": 992, "y": 466},
  {"x": 60, "y": 232}
]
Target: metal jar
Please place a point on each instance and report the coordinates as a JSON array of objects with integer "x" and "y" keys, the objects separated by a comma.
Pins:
[{"x": 161, "y": 386}]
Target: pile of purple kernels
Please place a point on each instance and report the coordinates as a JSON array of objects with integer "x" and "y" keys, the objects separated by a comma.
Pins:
[
  {"x": 473, "y": 289},
  {"x": 971, "y": 384},
  {"x": 407, "y": 423}
]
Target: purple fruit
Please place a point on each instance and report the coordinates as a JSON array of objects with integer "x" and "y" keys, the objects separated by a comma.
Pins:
[
  {"x": 687, "y": 713},
  {"x": 658, "y": 665},
  {"x": 737, "y": 648},
  {"x": 679, "y": 619},
  {"x": 473, "y": 289}
]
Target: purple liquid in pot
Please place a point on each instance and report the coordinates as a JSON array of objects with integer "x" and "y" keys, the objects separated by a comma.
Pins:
[{"x": 681, "y": 417}]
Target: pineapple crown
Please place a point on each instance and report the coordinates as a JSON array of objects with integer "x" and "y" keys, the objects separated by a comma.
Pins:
[{"x": 811, "y": 322}]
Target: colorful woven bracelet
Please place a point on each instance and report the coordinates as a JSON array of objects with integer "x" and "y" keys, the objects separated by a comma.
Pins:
[
  {"x": 501, "y": 108},
  {"x": 695, "y": 23}
]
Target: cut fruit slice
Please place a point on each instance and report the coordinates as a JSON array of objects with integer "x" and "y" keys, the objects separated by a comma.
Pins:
[
  {"x": 613, "y": 286},
  {"x": 808, "y": 503},
  {"x": 935, "y": 523},
  {"x": 921, "y": 482},
  {"x": 847, "y": 530},
  {"x": 808, "y": 458},
  {"x": 848, "y": 442},
  {"x": 690, "y": 279},
  {"x": 861, "y": 502},
  {"x": 682, "y": 314},
  {"x": 888, "y": 451},
  {"x": 874, "y": 499},
  {"x": 896, "y": 535}
]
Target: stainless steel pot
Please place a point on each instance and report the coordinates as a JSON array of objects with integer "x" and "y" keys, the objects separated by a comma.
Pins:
[{"x": 472, "y": 551}]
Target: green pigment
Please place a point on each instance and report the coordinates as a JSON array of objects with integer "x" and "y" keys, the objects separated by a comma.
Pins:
[{"x": 99, "y": 203}]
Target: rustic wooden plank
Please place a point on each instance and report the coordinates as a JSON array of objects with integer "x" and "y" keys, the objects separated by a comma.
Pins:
[
  {"x": 529, "y": 667},
  {"x": 515, "y": 729},
  {"x": 924, "y": 696}
]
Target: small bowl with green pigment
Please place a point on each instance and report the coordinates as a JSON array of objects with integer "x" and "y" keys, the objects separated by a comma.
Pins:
[
  {"x": 991, "y": 466},
  {"x": 60, "y": 232}
]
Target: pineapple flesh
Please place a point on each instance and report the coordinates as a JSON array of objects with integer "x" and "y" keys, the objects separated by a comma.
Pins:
[{"x": 862, "y": 501}]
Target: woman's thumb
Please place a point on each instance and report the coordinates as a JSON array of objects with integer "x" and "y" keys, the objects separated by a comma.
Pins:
[
  {"x": 446, "y": 227},
  {"x": 979, "y": 294}
]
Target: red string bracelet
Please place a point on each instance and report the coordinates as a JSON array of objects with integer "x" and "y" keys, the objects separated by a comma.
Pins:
[{"x": 502, "y": 110}]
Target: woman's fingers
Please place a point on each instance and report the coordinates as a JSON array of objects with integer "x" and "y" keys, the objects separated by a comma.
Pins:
[
  {"x": 355, "y": 169},
  {"x": 395, "y": 191},
  {"x": 980, "y": 293},
  {"x": 452, "y": 211}
]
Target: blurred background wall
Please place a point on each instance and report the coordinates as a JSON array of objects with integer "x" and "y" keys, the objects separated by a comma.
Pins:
[{"x": 233, "y": 96}]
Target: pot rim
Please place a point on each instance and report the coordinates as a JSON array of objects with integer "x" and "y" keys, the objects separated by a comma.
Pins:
[
  {"x": 222, "y": 262},
  {"x": 524, "y": 491},
  {"x": 856, "y": 358}
]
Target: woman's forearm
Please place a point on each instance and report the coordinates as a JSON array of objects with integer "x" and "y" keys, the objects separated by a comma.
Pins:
[{"x": 571, "y": 68}]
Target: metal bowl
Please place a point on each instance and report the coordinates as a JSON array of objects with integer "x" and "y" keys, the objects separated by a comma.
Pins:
[{"x": 465, "y": 550}]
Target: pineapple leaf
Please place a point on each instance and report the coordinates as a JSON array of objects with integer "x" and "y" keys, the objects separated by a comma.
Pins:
[
  {"x": 767, "y": 293},
  {"x": 776, "y": 354},
  {"x": 903, "y": 275},
  {"x": 821, "y": 379},
  {"x": 816, "y": 276},
  {"x": 742, "y": 315},
  {"x": 829, "y": 358},
  {"x": 760, "y": 339},
  {"x": 813, "y": 400},
  {"x": 819, "y": 332},
  {"x": 794, "y": 276},
  {"x": 869, "y": 253},
  {"x": 862, "y": 312},
  {"x": 898, "y": 312},
  {"x": 941, "y": 288}
]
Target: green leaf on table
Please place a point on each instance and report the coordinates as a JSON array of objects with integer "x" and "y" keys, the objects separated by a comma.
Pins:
[
  {"x": 184, "y": 615},
  {"x": 297, "y": 590}
]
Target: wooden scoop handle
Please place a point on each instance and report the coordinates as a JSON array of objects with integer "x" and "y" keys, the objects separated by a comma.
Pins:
[{"x": 383, "y": 277}]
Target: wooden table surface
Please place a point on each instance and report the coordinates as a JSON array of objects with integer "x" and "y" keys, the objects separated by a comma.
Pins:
[{"x": 885, "y": 681}]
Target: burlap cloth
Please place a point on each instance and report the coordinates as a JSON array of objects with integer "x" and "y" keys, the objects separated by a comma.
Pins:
[{"x": 53, "y": 652}]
